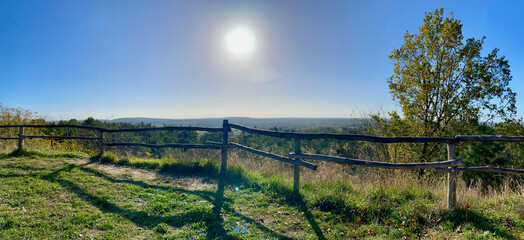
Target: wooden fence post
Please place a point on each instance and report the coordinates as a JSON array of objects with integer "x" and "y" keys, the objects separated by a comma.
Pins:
[
  {"x": 225, "y": 134},
  {"x": 21, "y": 139},
  {"x": 101, "y": 144},
  {"x": 452, "y": 179},
  {"x": 296, "y": 175}
]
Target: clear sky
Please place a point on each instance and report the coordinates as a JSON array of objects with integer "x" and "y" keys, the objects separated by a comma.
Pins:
[{"x": 109, "y": 59}]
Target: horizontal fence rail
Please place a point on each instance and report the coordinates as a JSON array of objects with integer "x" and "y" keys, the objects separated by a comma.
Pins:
[
  {"x": 274, "y": 156},
  {"x": 482, "y": 169},
  {"x": 60, "y": 137},
  {"x": 175, "y": 145},
  {"x": 208, "y": 129},
  {"x": 51, "y": 126},
  {"x": 163, "y": 129},
  {"x": 487, "y": 138},
  {"x": 289, "y": 135},
  {"x": 269, "y": 155},
  {"x": 449, "y": 163},
  {"x": 8, "y": 138},
  {"x": 349, "y": 137}
]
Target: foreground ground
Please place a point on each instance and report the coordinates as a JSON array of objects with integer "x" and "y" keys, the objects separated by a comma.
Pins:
[{"x": 62, "y": 197}]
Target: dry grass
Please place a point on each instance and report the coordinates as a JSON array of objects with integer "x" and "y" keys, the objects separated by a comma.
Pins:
[{"x": 367, "y": 178}]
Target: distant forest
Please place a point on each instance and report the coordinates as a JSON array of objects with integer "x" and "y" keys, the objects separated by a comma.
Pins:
[{"x": 260, "y": 123}]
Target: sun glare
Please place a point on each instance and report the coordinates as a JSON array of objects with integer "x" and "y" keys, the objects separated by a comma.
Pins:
[{"x": 240, "y": 42}]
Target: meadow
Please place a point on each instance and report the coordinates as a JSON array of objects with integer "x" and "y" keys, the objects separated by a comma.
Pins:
[{"x": 49, "y": 195}]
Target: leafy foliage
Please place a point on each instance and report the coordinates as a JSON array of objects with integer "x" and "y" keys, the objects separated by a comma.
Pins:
[
  {"x": 19, "y": 116},
  {"x": 445, "y": 86}
]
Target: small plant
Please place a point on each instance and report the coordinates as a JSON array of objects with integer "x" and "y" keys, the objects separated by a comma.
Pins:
[
  {"x": 161, "y": 228},
  {"x": 108, "y": 158}
]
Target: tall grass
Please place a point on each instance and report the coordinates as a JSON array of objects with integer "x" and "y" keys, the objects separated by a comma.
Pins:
[
  {"x": 329, "y": 179},
  {"x": 378, "y": 199}
]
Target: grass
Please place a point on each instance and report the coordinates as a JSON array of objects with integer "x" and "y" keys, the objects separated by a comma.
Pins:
[
  {"x": 44, "y": 154},
  {"x": 47, "y": 195}
]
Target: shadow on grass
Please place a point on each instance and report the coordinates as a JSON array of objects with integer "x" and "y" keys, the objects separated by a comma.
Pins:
[
  {"x": 49, "y": 154},
  {"x": 213, "y": 219},
  {"x": 309, "y": 217},
  {"x": 234, "y": 176},
  {"x": 461, "y": 216},
  {"x": 17, "y": 153}
]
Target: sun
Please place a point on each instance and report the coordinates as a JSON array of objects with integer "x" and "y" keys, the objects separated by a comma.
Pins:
[{"x": 240, "y": 42}]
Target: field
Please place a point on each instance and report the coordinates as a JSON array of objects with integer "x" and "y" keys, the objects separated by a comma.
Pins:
[{"x": 47, "y": 195}]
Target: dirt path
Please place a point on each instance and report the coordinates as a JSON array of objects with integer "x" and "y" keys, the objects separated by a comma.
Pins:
[{"x": 187, "y": 182}]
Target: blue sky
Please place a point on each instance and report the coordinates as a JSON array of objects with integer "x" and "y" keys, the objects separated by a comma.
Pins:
[{"x": 110, "y": 59}]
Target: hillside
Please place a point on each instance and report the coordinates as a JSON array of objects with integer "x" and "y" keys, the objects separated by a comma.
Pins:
[{"x": 62, "y": 196}]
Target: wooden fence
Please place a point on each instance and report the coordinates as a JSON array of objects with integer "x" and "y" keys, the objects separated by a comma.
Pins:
[{"x": 451, "y": 166}]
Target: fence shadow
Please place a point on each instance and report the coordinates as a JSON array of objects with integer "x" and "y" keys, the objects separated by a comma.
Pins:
[
  {"x": 309, "y": 217},
  {"x": 479, "y": 221},
  {"x": 213, "y": 219}
]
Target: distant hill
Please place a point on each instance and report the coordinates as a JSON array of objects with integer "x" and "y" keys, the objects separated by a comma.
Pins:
[{"x": 260, "y": 123}]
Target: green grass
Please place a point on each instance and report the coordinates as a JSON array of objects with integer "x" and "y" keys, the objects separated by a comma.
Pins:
[{"x": 44, "y": 195}]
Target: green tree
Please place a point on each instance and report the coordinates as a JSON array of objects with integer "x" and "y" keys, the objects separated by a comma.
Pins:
[
  {"x": 19, "y": 116},
  {"x": 443, "y": 84}
]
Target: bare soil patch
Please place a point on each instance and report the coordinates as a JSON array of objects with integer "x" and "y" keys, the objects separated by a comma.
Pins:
[{"x": 186, "y": 182}]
